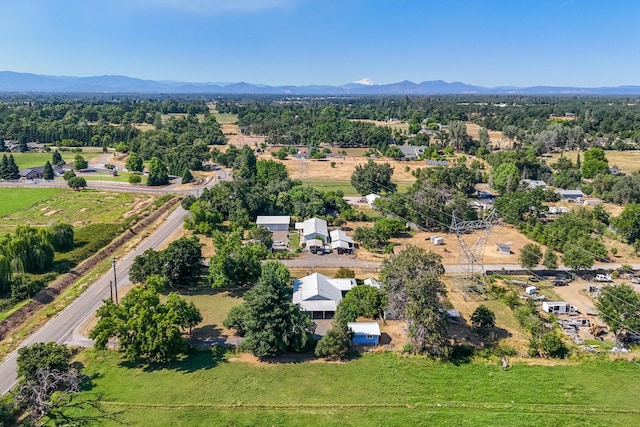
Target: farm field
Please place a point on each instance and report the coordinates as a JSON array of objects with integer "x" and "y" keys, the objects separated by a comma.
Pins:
[
  {"x": 208, "y": 388},
  {"x": 76, "y": 208},
  {"x": 31, "y": 160}
]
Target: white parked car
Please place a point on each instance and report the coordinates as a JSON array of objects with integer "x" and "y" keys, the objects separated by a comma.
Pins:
[{"x": 604, "y": 278}]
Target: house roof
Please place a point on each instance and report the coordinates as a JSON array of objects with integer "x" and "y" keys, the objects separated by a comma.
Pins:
[
  {"x": 313, "y": 226},
  {"x": 364, "y": 328},
  {"x": 343, "y": 284},
  {"x": 339, "y": 235},
  {"x": 269, "y": 220},
  {"x": 315, "y": 242},
  {"x": 533, "y": 183},
  {"x": 564, "y": 193},
  {"x": 372, "y": 282},
  {"x": 412, "y": 150},
  {"x": 316, "y": 293}
]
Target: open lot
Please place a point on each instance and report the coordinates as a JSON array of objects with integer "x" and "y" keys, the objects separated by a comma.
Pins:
[
  {"x": 20, "y": 198},
  {"x": 495, "y": 136},
  {"x": 396, "y": 124},
  {"x": 74, "y": 207},
  {"x": 210, "y": 388}
]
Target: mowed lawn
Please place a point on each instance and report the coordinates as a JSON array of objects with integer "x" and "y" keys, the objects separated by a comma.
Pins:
[
  {"x": 32, "y": 160},
  {"x": 376, "y": 389},
  {"x": 13, "y": 199}
]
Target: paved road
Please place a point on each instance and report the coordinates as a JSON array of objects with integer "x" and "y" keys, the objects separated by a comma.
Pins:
[{"x": 60, "y": 328}]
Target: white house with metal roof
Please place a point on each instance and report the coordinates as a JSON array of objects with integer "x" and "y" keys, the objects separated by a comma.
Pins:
[
  {"x": 314, "y": 228},
  {"x": 318, "y": 294},
  {"x": 339, "y": 239},
  {"x": 274, "y": 223}
]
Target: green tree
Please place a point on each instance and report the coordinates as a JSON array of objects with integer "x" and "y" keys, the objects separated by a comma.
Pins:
[
  {"x": 60, "y": 236},
  {"x": 79, "y": 162},
  {"x": 414, "y": 291},
  {"x": 483, "y": 319},
  {"x": 506, "y": 178},
  {"x": 628, "y": 223},
  {"x": 235, "y": 264},
  {"x": 134, "y": 179},
  {"x": 272, "y": 324},
  {"x": 336, "y": 343},
  {"x": 134, "y": 163},
  {"x": 345, "y": 273},
  {"x": 47, "y": 172},
  {"x": 595, "y": 162},
  {"x": 145, "y": 327},
  {"x": 12, "y": 170},
  {"x": 187, "y": 177},
  {"x": 57, "y": 158},
  {"x": 180, "y": 263},
  {"x": 458, "y": 135},
  {"x": 530, "y": 256},
  {"x": 483, "y": 137},
  {"x": 42, "y": 355},
  {"x": 552, "y": 345},
  {"x": 360, "y": 301},
  {"x": 393, "y": 152},
  {"x": 158, "y": 172},
  {"x": 619, "y": 307},
  {"x": 269, "y": 170},
  {"x": 373, "y": 178},
  {"x": 577, "y": 258},
  {"x": 68, "y": 174},
  {"x": 550, "y": 260},
  {"x": 121, "y": 147},
  {"x": 77, "y": 183},
  {"x": 262, "y": 236}
]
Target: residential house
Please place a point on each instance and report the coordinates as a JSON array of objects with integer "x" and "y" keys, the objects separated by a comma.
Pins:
[
  {"x": 570, "y": 194},
  {"x": 38, "y": 172},
  {"x": 533, "y": 183},
  {"x": 340, "y": 241},
  {"x": 367, "y": 333},
  {"x": 314, "y": 228},
  {"x": 412, "y": 152},
  {"x": 319, "y": 295},
  {"x": 274, "y": 223}
]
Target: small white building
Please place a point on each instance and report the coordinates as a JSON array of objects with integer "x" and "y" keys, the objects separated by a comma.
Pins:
[
  {"x": 591, "y": 201},
  {"x": 314, "y": 228},
  {"x": 504, "y": 248},
  {"x": 558, "y": 307},
  {"x": 274, "y": 223},
  {"x": 570, "y": 194},
  {"x": 533, "y": 183},
  {"x": 530, "y": 290},
  {"x": 371, "y": 198},
  {"x": 339, "y": 239}
]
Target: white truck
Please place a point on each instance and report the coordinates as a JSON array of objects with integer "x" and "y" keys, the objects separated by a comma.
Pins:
[{"x": 604, "y": 278}]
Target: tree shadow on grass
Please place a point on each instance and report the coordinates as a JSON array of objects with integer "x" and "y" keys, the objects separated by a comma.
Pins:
[{"x": 193, "y": 361}]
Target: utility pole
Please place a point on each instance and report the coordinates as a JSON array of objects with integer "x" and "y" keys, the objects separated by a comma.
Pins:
[
  {"x": 115, "y": 279},
  {"x": 111, "y": 289}
]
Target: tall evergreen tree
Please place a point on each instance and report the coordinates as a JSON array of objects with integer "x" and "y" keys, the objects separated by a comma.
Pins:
[
  {"x": 13, "y": 172},
  {"x": 57, "y": 158},
  {"x": 3, "y": 146},
  {"x": 47, "y": 172},
  {"x": 4, "y": 167}
]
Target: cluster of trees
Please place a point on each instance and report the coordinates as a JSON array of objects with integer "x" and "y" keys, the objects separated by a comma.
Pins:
[
  {"x": 30, "y": 250},
  {"x": 145, "y": 327},
  {"x": 259, "y": 187},
  {"x": 378, "y": 236},
  {"x": 8, "y": 168},
  {"x": 437, "y": 194}
]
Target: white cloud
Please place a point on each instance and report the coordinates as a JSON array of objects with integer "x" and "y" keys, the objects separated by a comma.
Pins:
[{"x": 217, "y": 7}]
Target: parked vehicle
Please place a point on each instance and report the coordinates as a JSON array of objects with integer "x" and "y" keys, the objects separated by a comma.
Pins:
[
  {"x": 635, "y": 280},
  {"x": 560, "y": 282},
  {"x": 534, "y": 279},
  {"x": 604, "y": 278}
]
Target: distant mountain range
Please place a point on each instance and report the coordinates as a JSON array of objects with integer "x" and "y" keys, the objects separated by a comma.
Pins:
[{"x": 26, "y": 82}]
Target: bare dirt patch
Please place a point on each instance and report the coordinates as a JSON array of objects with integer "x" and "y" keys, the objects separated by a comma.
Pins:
[
  {"x": 495, "y": 136},
  {"x": 393, "y": 124},
  {"x": 52, "y": 212}
]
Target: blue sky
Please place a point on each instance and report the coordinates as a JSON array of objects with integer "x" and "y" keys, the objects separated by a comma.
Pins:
[{"x": 482, "y": 42}]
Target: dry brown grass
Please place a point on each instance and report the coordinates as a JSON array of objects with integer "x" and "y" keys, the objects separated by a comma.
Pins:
[
  {"x": 495, "y": 136},
  {"x": 403, "y": 126},
  {"x": 627, "y": 161}
]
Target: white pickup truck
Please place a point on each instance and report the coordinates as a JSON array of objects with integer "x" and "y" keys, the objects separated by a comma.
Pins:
[{"x": 604, "y": 278}]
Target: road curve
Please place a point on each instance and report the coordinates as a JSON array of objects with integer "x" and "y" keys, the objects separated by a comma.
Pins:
[{"x": 61, "y": 327}]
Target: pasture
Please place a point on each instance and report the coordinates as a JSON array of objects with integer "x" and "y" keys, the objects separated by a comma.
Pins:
[
  {"x": 32, "y": 160},
  {"x": 626, "y": 161},
  {"x": 216, "y": 388},
  {"x": 14, "y": 199}
]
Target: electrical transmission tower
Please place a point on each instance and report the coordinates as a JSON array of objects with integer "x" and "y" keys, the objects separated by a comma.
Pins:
[
  {"x": 470, "y": 276},
  {"x": 303, "y": 164}
]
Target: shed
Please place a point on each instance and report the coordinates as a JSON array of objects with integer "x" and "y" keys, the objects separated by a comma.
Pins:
[
  {"x": 591, "y": 201},
  {"x": 274, "y": 223},
  {"x": 558, "y": 307},
  {"x": 504, "y": 248},
  {"x": 453, "y": 315},
  {"x": 530, "y": 290},
  {"x": 438, "y": 241},
  {"x": 365, "y": 332}
]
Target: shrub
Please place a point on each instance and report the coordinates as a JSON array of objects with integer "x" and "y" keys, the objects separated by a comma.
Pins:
[{"x": 135, "y": 179}]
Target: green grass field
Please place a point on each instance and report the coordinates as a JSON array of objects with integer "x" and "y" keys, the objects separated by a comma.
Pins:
[
  {"x": 31, "y": 160},
  {"x": 75, "y": 207},
  {"x": 373, "y": 390},
  {"x": 14, "y": 199},
  {"x": 123, "y": 176},
  {"x": 224, "y": 118}
]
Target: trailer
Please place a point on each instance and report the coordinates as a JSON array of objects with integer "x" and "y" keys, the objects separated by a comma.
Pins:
[{"x": 558, "y": 307}]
